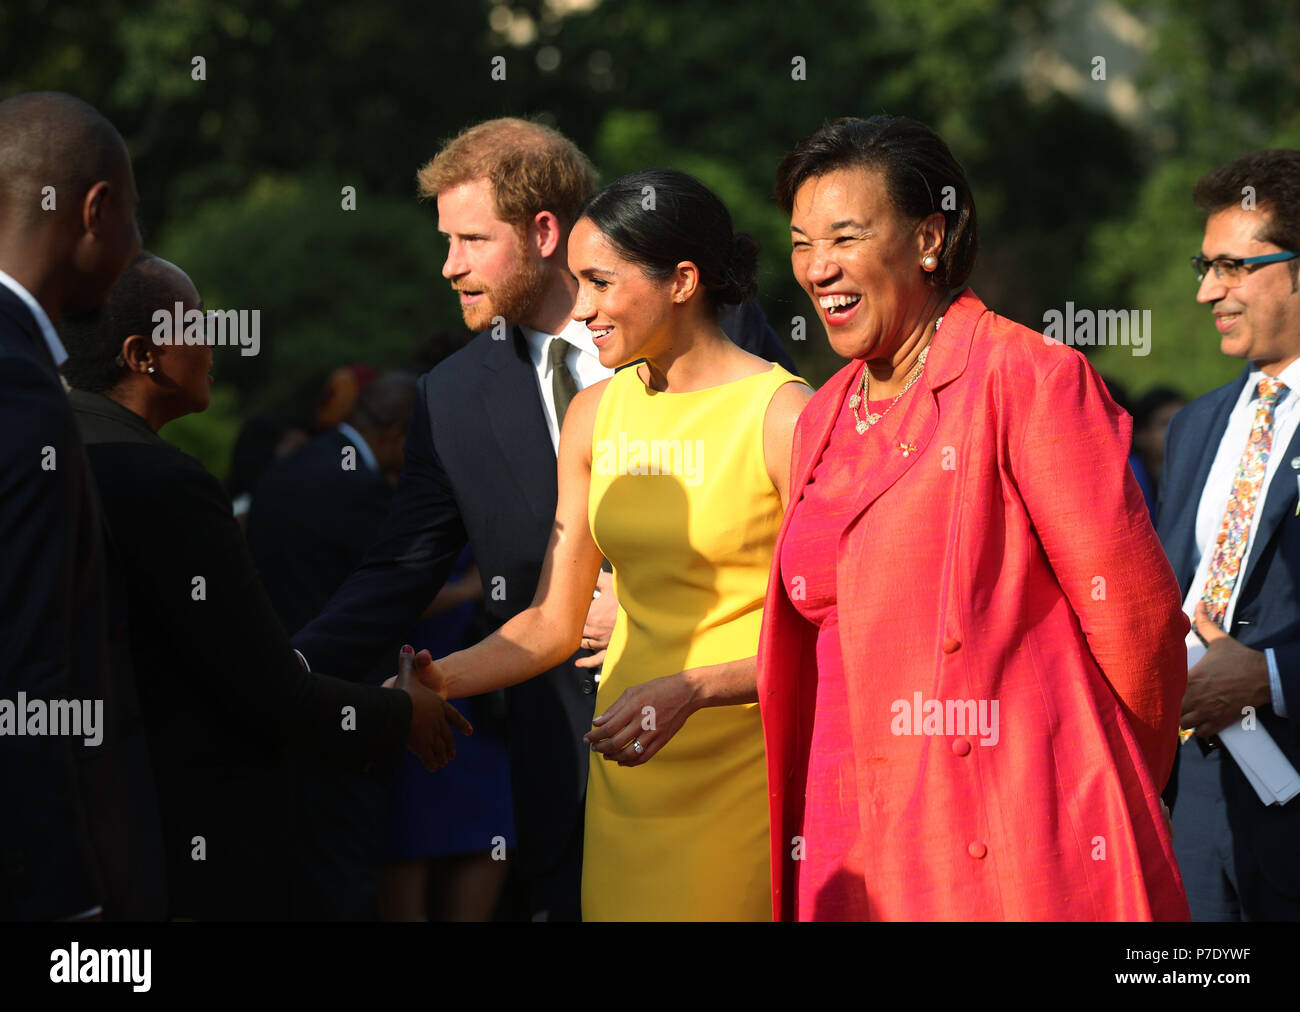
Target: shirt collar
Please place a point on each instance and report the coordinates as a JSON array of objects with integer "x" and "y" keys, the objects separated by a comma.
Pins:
[
  {"x": 574, "y": 333},
  {"x": 1290, "y": 377},
  {"x": 57, "y": 351},
  {"x": 363, "y": 448},
  {"x": 85, "y": 402}
]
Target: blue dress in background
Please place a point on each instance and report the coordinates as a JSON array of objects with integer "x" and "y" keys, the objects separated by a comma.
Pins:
[{"x": 464, "y": 806}]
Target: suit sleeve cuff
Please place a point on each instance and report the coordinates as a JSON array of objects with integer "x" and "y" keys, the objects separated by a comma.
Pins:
[{"x": 1275, "y": 683}]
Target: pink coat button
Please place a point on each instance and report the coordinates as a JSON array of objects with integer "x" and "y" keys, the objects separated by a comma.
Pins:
[
  {"x": 977, "y": 850},
  {"x": 961, "y": 746},
  {"x": 951, "y": 645}
]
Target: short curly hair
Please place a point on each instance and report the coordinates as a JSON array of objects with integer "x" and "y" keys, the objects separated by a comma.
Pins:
[
  {"x": 93, "y": 340},
  {"x": 1273, "y": 178}
]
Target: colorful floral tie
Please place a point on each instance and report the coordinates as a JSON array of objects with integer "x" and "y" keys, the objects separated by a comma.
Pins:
[{"x": 1233, "y": 535}]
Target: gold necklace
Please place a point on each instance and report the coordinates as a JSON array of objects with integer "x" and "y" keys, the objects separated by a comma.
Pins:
[{"x": 861, "y": 399}]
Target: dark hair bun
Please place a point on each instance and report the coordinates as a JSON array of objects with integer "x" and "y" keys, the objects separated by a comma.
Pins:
[
  {"x": 740, "y": 282},
  {"x": 686, "y": 221}
]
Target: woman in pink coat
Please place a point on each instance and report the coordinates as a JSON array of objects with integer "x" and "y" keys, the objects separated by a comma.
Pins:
[{"x": 972, "y": 653}]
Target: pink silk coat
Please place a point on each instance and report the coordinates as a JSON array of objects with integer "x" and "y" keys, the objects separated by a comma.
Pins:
[{"x": 999, "y": 551}]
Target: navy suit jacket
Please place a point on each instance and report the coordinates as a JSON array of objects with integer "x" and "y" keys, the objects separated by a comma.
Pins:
[
  {"x": 310, "y": 524},
  {"x": 1267, "y": 612},
  {"x": 81, "y": 824},
  {"x": 480, "y": 467}
]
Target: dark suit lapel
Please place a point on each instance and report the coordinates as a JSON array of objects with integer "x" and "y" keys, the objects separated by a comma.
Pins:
[
  {"x": 518, "y": 421},
  {"x": 21, "y": 318},
  {"x": 1203, "y": 432}
]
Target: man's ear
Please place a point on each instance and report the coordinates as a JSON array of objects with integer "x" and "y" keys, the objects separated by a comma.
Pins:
[
  {"x": 93, "y": 207},
  {"x": 550, "y": 236},
  {"x": 137, "y": 353}
]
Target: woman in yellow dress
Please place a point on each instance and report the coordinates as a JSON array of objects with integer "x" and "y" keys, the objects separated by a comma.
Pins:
[{"x": 676, "y": 470}]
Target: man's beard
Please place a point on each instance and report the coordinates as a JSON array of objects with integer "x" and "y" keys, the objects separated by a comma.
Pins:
[{"x": 513, "y": 301}]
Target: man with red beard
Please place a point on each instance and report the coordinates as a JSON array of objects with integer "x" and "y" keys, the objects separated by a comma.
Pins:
[{"x": 480, "y": 467}]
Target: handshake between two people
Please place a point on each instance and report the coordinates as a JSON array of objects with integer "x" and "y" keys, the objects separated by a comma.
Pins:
[{"x": 432, "y": 716}]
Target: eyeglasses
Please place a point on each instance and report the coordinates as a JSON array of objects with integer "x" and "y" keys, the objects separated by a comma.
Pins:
[{"x": 1232, "y": 271}]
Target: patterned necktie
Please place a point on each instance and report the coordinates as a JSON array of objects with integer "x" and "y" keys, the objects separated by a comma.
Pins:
[
  {"x": 563, "y": 386},
  {"x": 1230, "y": 545}
]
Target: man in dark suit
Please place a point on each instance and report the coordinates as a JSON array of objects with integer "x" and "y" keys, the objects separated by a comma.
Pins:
[
  {"x": 81, "y": 837},
  {"x": 314, "y": 513},
  {"x": 480, "y": 466},
  {"x": 1230, "y": 522}
]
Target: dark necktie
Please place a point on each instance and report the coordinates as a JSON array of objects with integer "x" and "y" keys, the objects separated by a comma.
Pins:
[{"x": 564, "y": 387}]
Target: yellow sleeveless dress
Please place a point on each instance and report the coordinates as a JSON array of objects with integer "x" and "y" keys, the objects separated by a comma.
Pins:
[{"x": 682, "y": 506}]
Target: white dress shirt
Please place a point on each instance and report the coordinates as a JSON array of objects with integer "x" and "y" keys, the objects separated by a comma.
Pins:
[
  {"x": 1218, "y": 487},
  {"x": 57, "y": 351},
  {"x": 583, "y": 361}
]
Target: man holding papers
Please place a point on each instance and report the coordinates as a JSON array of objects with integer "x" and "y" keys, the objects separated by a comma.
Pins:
[{"x": 1229, "y": 520}]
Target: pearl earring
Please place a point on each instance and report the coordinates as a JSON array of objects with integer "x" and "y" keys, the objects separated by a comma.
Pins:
[
  {"x": 150, "y": 370},
  {"x": 929, "y": 262}
]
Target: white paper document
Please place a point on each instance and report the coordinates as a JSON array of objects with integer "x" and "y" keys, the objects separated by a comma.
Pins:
[{"x": 1256, "y": 753}]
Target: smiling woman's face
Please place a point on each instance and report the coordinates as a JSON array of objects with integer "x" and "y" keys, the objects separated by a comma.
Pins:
[
  {"x": 859, "y": 262},
  {"x": 626, "y": 312}
]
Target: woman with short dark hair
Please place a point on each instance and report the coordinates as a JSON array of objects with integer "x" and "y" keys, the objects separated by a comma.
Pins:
[
  {"x": 972, "y": 661},
  {"x": 223, "y": 697}
]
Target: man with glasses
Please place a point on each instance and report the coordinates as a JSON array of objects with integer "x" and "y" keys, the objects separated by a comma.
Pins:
[{"x": 1229, "y": 520}]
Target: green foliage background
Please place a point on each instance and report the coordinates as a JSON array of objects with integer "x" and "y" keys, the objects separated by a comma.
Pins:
[{"x": 242, "y": 173}]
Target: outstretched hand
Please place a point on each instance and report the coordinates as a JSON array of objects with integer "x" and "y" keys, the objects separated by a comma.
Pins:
[{"x": 432, "y": 717}]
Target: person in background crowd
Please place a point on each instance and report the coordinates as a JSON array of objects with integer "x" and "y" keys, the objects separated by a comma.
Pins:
[
  {"x": 1151, "y": 416},
  {"x": 442, "y": 868},
  {"x": 452, "y": 833},
  {"x": 261, "y": 439},
  {"x": 316, "y": 510},
  {"x": 1119, "y": 394},
  {"x": 314, "y": 514},
  {"x": 342, "y": 388},
  {"x": 971, "y": 658},
  {"x": 1229, "y": 503}
]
